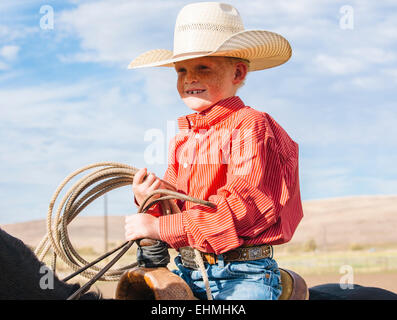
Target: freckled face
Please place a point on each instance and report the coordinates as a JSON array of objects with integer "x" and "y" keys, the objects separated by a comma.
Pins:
[{"x": 204, "y": 81}]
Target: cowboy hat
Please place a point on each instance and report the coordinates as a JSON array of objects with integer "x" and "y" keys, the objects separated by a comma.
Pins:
[{"x": 216, "y": 29}]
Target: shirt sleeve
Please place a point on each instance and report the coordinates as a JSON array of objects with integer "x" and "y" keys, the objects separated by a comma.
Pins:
[{"x": 244, "y": 206}]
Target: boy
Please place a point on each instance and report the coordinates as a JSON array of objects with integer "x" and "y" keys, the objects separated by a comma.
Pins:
[{"x": 227, "y": 153}]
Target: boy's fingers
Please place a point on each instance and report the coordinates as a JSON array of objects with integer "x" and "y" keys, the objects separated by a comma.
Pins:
[
  {"x": 155, "y": 184},
  {"x": 149, "y": 180},
  {"x": 139, "y": 176}
]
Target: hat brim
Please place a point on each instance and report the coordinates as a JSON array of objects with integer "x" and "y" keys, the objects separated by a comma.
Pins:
[{"x": 264, "y": 49}]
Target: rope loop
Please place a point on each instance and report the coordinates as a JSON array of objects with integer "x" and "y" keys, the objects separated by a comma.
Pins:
[{"x": 107, "y": 176}]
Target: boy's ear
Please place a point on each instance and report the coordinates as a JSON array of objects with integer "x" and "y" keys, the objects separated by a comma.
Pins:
[{"x": 240, "y": 72}]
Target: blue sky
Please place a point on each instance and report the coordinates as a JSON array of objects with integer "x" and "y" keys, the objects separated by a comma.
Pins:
[{"x": 67, "y": 99}]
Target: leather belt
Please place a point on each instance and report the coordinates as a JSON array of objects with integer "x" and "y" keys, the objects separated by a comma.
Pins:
[{"x": 244, "y": 253}]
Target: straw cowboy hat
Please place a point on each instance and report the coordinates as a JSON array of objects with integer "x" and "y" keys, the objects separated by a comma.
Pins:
[{"x": 215, "y": 29}]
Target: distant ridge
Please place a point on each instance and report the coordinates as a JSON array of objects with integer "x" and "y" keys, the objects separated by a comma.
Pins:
[
  {"x": 335, "y": 222},
  {"x": 83, "y": 231}
]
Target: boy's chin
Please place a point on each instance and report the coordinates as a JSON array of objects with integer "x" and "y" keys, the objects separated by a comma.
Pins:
[{"x": 198, "y": 104}]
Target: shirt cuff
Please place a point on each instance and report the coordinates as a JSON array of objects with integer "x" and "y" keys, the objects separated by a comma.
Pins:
[{"x": 173, "y": 231}]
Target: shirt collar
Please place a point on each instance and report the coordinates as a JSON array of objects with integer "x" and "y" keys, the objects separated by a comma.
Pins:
[{"x": 212, "y": 115}]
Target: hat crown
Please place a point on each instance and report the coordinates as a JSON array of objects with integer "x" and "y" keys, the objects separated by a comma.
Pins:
[{"x": 203, "y": 26}]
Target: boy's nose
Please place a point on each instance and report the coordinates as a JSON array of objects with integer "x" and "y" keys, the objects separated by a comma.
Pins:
[{"x": 190, "y": 78}]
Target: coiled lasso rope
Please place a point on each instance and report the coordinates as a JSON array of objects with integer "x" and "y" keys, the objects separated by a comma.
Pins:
[{"x": 106, "y": 177}]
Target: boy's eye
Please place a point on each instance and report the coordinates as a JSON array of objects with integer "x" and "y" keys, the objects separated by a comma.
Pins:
[
  {"x": 181, "y": 70},
  {"x": 202, "y": 67}
]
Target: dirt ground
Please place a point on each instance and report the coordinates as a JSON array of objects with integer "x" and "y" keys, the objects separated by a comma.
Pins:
[{"x": 386, "y": 281}]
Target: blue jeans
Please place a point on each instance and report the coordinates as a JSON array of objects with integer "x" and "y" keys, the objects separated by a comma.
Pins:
[{"x": 240, "y": 280}]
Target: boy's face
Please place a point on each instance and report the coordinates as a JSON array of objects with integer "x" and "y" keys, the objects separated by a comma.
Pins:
[{"x": 204, "y": 81}]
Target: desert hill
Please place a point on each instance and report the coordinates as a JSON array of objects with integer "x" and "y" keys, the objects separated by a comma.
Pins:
[
  {"x": 366, "y": 220},
  {"x": 331, "y": 223}
]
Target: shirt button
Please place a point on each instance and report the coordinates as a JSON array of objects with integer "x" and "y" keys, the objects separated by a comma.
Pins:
[
  {"x": 197, "y": 135},
  {"x": 185, "y": 165}
]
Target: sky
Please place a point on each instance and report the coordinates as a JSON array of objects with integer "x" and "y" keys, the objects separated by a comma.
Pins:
[{"x": 68, "y": 100}]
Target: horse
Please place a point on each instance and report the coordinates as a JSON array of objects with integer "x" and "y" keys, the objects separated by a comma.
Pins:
[{"x": 22, "y": 274}]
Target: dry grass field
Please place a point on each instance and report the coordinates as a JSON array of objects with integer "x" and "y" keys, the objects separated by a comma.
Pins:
[{"x": 356, "y": 231}]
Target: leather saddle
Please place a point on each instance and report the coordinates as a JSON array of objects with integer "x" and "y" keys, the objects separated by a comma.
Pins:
[
  {"x": 161, "y": 284},
  {"x": 293, "y": 286}
]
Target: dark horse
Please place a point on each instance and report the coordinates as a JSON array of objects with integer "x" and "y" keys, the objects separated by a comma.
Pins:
[{"x": 21, "y": 278}]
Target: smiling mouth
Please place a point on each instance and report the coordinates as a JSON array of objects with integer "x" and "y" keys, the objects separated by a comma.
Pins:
[{"x": 194, "y": 91}]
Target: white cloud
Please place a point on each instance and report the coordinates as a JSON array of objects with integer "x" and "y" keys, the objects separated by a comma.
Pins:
[
  {"x": 373, "y": 55},
  {"x": 354, "y": 62},
  {"x": 160, "y": 86},
  {"x": 117, "y": 31},
  {"x": 380, "y": 80},
  {"x": 9, "y": 52},
  {"x": 66, "y": 124},
  {"x": 279, "y": 14},
  {"x": 4, "y": 66},
  {"x": 391, "y": 74},
  {"x": 14, "y": 33},
  {"x": 338, "y": 65},
  {"x": 368, "y": 82}
]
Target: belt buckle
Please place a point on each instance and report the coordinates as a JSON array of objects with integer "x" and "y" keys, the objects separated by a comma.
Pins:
[{"x": 254, "y": 253}]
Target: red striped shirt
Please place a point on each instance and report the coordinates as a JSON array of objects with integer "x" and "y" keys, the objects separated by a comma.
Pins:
[{"x": 241, "y": 160}]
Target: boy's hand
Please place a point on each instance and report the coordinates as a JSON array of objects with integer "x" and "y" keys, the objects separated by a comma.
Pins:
[
  {"x": 142, "y": 188},
  {"x": 141, "y": 225}
]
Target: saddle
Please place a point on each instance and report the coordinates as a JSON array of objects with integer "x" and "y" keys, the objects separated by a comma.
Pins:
[
  {"x": 293, "y": 286},
  {"x": 161, "y": 284}
]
